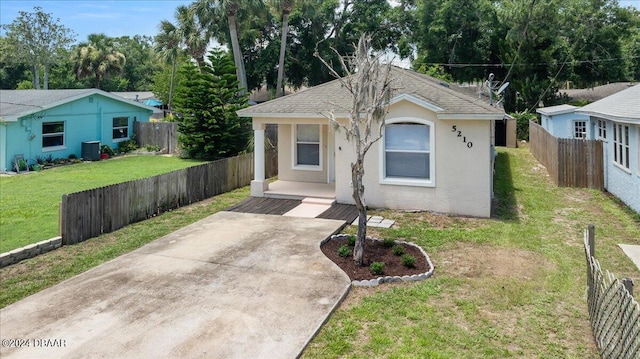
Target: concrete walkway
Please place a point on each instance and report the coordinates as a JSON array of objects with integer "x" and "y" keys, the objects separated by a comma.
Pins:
[
  {"x": 233, "y": 285},
  {"x": 633, "y": 252}
]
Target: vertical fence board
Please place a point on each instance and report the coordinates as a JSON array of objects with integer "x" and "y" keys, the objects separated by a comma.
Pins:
[{"x": 569, "y": 162}]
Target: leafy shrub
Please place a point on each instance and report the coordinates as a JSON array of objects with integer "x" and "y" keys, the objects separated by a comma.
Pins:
[
  {"x": 398, "y": 249},
  {"x": 152, "y": 148},
  {"x": 351, "y": 240},
  {"x": 107, "y": 149},
  {"x": 377, "y": 268},
  {"x": 344, "y": 251},
  {"x": 408, "y": 260},
  {"x": 388, "y": 242},
  {"x": 127, "y": 146}
]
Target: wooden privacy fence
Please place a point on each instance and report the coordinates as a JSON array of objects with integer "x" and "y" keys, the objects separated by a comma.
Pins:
[
  {"x": 614, "y": 314},
  {"x": 93, "y": 212},
  {"x": 570, "y": 162},
  {"x": 161, "y": 134}
]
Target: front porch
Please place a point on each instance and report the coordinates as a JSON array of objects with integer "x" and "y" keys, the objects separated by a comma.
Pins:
[{"x": 300, "y": 190}]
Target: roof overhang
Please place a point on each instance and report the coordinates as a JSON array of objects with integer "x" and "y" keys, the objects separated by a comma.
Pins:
[
  {"x": 416, "y": 101},
  {"x": 31, "y": 111},
  {"x": 611, "y": 117},
  {"x": 550, "y": 111}
]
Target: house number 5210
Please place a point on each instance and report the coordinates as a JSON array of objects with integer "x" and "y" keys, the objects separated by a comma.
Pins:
[{"x": 458, "y": 133}]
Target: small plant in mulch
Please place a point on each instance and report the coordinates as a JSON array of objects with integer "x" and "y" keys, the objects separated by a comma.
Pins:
[
  {"x": 351, "y": 240},
  {"x": 388, "y": 242},
  {"x": 408, "y": 260},
  {"x": 377, "y": 268},
  {"x": 344, "y": 251},
  {"x": 398, "y": 249}
]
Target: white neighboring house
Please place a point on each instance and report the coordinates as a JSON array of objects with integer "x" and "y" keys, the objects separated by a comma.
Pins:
[
  {"x": 436, "y": 153},
  {"x": 616, "y": 121}
]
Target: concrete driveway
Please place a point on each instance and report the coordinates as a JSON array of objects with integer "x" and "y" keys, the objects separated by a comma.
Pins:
[{"x": 233, "y": 285}]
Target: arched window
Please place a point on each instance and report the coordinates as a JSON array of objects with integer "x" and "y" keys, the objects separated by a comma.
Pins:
[{"x": 408, "y": 152}]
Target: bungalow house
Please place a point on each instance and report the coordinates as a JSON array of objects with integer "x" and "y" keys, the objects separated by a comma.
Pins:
[
  {"x": 616, "y": 121},
  {"x": 56, "y": 123},
  {"x": 562, "y": 121},
  {"x": 436, "y": 152}
]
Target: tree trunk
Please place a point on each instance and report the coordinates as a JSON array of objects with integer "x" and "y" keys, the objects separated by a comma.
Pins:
[
  {"x": 36, "y": 77},
  {"x": 357, "y": 173},
  {"x": 283, "y": 47},
  {"x": 46, "y": 76},
  {"x": 173, "y": 76},
  {"x": 237, "y": 55}
]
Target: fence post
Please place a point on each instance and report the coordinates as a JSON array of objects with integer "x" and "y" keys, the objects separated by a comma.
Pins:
[
  {"x": 628, "y": 283},
  {"x": 592, "y": 240}
]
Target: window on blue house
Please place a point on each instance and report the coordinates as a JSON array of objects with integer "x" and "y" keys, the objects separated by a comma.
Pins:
[
  {"x": 52, "y": 134},
  {"x": 602, "y": 130},
  {"x": 621, "y": 144},
  {"x": 580, "y": 129},
  {"x": 120, "y": 128}
]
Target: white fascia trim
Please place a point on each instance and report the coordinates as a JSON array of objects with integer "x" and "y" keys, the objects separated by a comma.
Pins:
[
  {"x": 416, "y": 101},
  {"x": 471, "y": 117},
  {"x": 632, "y": 121},
  {"x": 554, "y": 113}
]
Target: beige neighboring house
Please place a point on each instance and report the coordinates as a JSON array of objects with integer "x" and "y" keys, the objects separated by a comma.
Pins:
[{"x": 436, "y": 153}]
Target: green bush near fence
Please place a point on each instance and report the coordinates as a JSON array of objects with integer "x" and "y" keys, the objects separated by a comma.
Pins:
[{"x": 29, "y": 202}]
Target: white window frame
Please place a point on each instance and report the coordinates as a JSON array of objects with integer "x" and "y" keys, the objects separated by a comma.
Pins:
[
  {"x": 602, "y": 130},
  {"x": 55, "y": 134},
  {"x": 621, "y": 150},
  {"x": 580, "y": 129},
  {"x": 431, "y": 182},
  {"x": 294, "y": 149},
  {"x": 115, "y": 128},
  {"x": 638, "y": 149}
]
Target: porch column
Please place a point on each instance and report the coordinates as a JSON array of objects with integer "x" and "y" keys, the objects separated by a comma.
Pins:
[{"x": 259, "y": 184}]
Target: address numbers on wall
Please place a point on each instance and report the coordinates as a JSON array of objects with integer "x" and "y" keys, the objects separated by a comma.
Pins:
[{"x": 459, "y": 133}]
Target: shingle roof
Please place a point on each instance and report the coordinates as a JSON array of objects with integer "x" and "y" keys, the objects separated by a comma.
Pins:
[
  {"x": 624, "y": 106},
  {"x": 596, "y": 93},
  {"x": 556, "y": 110},
  {"x": 18, "y": 103},
  {"x": 332, "y": 96}
]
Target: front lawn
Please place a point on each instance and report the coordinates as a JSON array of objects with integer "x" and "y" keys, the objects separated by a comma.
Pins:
[
  {"x": 508, "y": 287},
  {"x": 29, "y": 202}
]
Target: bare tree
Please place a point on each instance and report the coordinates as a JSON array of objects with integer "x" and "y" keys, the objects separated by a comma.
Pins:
[{"x": 368, "y": 81}]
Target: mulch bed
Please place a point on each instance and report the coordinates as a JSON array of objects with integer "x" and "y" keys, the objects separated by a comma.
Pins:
[{"x": 375, "y": 251}]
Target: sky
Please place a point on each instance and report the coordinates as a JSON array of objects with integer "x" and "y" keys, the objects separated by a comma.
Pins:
[{"x": 113, "y": 17}]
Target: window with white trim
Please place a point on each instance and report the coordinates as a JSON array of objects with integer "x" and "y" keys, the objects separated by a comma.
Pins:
[
  {"x": 121, "y": 128},
  {"x": 307, "y": 146},
  {"x": 52, "y": 134},
  {"x": 580, "y": 129},
  {"x": 621, "y": 144},
  {"x": 407, "y": 152},
  {"x": 602, "y": 130}
]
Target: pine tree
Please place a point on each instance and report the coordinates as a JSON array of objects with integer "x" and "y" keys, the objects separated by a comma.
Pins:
[{"x": 208, "y": 100}]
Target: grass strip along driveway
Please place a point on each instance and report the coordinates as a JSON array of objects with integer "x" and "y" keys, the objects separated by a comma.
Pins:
[
  {"x": 29, "y": 203},
  {"x": 510, "y": 286}
]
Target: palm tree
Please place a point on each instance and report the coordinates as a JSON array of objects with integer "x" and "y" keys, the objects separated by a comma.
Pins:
[
  {"x": 285, "y": 7},
  {"x": 97, "y": 58},
  {"x": 195, "y": 34},
  {"x": 208, "y": 11},
  {"x": 167, "y": 46}
]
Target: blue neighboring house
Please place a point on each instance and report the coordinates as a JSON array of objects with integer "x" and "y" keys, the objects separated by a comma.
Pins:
[
  {"x": 42, "y": 123},
  {"x": 616, "y": 121},
  {"x": 562, "y": 121}
]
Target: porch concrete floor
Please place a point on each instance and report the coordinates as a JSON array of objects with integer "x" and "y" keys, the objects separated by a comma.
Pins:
[{"x": 300, "y": 190}]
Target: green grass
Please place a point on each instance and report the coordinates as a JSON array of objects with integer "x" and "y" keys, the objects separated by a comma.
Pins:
[
  {"x": 508, "y": 287},
  {"x": 30, "y": 276},
  {"x": 29, "y": 203}
]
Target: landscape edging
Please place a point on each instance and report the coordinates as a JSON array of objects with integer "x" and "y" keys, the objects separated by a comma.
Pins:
[
  {"x": 389, "y": 279},
  {"x": 30, "y": 251}
]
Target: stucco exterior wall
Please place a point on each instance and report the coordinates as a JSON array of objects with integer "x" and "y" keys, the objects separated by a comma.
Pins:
[
  {"x": 463, "y": 175},
  {"x": 86, "y": 119},
  {"x": 621, "y": 182}
]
